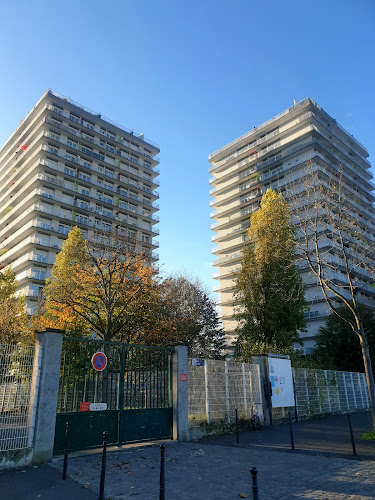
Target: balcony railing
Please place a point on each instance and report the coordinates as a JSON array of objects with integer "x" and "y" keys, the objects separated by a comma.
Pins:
[
  {"x": 260, "y": 127},
  {"x": 100, "y": 157},
  {"x": 100, "y": 144},
  {"x": 59, "y": 168},
  {"x": 140, "y": 137}
]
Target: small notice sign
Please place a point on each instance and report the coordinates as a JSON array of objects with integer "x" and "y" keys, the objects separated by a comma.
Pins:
[
  {"x": 84, "y": 406},
  {"x": 183, "y": 377},
  {"x": 197, "y": 362},
  {"x": 98, "y": 406}
]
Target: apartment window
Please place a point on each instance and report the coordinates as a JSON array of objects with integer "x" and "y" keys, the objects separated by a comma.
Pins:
[
  {"x": 146, "y": 200},
  {"x": 88, "y": 137},
  {"x": 131, "y": 234},
  {"x": 110, "y": 148},
  {"x": 73, "y": 130},
  {"x": 109, "y": 173},
  {"x": 86, "y": 192},
  {"x": 134, "y": 159},
  {"x": 52, "y": 149},
  {"x": 87, "y": 164},
  {"x": 107, "y": 213},
  {"x": 40, "y": 258},
  {"x": 107, "y": 185},
  {"x": 132, "y": 208},
  {"x": 84, "y": 177},
  {"x": 111, "y": 136},
  {"x": 106, "y": 199},
  {"x": 145, "y": 238},
  {"x": 38, "y": 274},
  {"x": 69, "y": 171},
  {"x": 63, "y": 229},
  {"x": 98, "y": 222},
  {"x": 54, "y": 136},
  {"x": 71, "y": 144},
  {"x": 106, "y": 226},
  {"x": 147, "y": 165},
  {"x": 57, "y": 109},
  {"x": 82, "y": 204},
  {"x": 75, "y": 118},
  {"x": 70, "y": 157},
  {"x": 88, "y": 124},
  {"x": 124, "y": 204},
  {"x": 133, "y": 195},
  {"x": 103, "y": 131}
]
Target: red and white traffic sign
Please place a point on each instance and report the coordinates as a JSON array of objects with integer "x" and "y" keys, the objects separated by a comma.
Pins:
[{"x": 99, "y": 361}]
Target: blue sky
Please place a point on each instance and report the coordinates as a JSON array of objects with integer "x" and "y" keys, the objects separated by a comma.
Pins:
[{"x": 192, "y": 76}]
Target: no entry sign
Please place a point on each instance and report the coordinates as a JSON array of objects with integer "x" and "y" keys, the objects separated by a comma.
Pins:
[{"x": 99, "y": 361}]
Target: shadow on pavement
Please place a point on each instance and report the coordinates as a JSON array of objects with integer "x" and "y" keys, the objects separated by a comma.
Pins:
[{"x": 327, "y": 436}]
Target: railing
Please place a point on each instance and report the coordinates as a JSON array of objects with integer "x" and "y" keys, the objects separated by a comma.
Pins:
[
  {"x": 246, "y": 148},
  {"x": 280, "y": 115},
  {"x": 84, "y": 220},
  {"x": 98, "y": 143},
  {"x": 98, "y": 115},
  {"x": 222, "y": 260},
  {"x": 59, "y": 168},
  {"x": 17, "y": 418},
  {"x": 99, "y": 157},
  {"x": 260, "y": 127}
]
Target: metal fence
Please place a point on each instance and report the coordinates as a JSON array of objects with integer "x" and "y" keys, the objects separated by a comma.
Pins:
[
  {"x": 320, "y": 392},
  {"x": 218, "y": 388},
  {"x": 16, "y": 416},
  {"x": 328, "y": 391}
]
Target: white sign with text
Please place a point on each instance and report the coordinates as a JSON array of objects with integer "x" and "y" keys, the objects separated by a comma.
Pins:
[{"x": 281, "y": 379}]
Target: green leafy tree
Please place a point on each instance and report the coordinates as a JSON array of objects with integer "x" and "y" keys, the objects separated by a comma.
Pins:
[
  {"x": 338, "y": 346},
  {"x": 184, "y": 313},
  {"x": 269, "y": 290},
  {"x": 13, "y": 317}
]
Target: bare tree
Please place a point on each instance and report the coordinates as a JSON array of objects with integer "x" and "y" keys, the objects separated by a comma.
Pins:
[{"x": 336, "y": 242}]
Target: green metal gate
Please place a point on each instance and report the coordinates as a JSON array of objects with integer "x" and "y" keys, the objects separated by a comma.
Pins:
[{"x": 136, "y": 386}]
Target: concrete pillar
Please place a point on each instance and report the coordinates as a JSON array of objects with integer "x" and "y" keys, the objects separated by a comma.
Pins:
[
  {"x": 180, "y": 393},
  {"x": 262, "y": 362},
  {"x": 49, "y": 344}
]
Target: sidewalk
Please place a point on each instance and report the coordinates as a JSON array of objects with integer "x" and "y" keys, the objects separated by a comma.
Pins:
[
  {"x": 328, "y": 436},
  {"x": 216, "y": 468}
]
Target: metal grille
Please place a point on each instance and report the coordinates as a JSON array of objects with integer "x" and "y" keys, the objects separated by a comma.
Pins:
[
  {"x": 136, "y": 376},
  {"x": 328, "y": 391},
  {"x": 218, "y": 388},
  {"x": 16, "y": 415}
]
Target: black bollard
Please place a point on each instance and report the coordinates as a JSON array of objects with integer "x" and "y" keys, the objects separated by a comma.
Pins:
[
  {"x": 66, "y": 450},
  {"x": 291, "y": 432},
  {"x": 237, "y": 437},
  {"x": 254, "y": 473},
  {"x": 162, "y": 473},
  {"x": 104, "y": 462},
  {"x": 352, "y": 435}
]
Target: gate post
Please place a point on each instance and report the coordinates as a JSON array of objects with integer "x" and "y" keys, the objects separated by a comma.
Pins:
[
  {"x": 180, "y": 393},
  {"x": 262, "y": 361},
  {"x": 50, "y": 343}
]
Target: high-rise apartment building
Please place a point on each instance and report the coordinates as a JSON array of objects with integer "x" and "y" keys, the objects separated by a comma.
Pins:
[
  {"x": 67, "y": 166},
  {"x": 274, "y": 154}
]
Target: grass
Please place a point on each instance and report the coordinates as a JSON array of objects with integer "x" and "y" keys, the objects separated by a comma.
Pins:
[{"x": 368, "y": 436}]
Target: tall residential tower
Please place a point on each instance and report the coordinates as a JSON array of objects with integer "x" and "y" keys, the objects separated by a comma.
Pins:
[
  {"x": 66, "y": 166},
  {"x": 273, "y": 155}
]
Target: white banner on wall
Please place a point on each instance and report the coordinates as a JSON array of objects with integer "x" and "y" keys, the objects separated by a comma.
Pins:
[{"x": 280, "y": 374}]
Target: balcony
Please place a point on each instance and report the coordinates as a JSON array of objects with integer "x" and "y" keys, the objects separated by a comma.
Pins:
[
  {"x": 223, "y": 260},
  {"x": 59, "y": 168},
  {"x": 139, "y": 137},
  {"x": 97, "y": 156}
]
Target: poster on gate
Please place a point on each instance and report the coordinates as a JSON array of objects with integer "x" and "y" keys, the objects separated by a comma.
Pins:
[{"x": 281, "y": 380}]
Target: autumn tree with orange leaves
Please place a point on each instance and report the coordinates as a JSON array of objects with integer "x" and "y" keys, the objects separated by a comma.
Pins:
[{"x": 97, "y": 286}]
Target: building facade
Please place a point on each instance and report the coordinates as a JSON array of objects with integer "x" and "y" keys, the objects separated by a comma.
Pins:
[
  {"x": 274, "y": 155},
  {"x": 67, "y": 166}
]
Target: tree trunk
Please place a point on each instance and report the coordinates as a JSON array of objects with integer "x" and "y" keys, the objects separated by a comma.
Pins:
[{"x": 368, "y": 371}]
